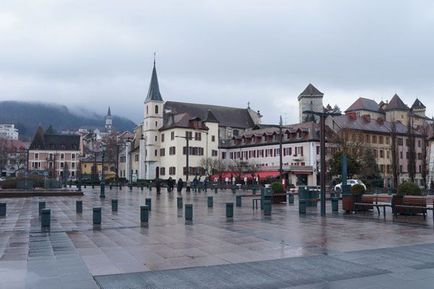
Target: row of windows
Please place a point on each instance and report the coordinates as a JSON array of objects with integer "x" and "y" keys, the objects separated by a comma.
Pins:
[
  {"x": 52, "y": 156},
  {"x": 188, "y": 134},
  {"x": 192, "y": 171},
  {"x": 37, "y": 165},
  {"x": 374, "y": 139},
  {"x": 298, "y": 151}
]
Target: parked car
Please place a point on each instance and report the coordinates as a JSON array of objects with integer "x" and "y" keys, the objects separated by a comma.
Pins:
[
  {"x": 350, "y": 182},
  {"x": 2, "y": 179}
]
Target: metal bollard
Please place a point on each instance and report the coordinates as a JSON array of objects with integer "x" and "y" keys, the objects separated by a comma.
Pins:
[
  {"x": 144, "y": 214},
  {"x": 131, "y": 188},
  {"x": 79, "y": 207},
  {"x": 238, "y": 201},
  {"x": 267, "y": 206},
  {"x": 215, "y": 190},
  {"x": 302, "y": 207},
  {"x": 97, "y": 216},
  {"x": 229, "y": 210},
  {"x": 111, "y": 187},
  {"x": 93, "y": 186},
  {"x": 189, "y": 212},
  {"x": 114, "y": 205},
  {"x": 290, "y": 198},
  {"x": 45, "y": 217},
  {"x": 148, "y": 203},
  {"x": 84, "y": 185},
  {"x": 141, "y": 188},
  {"x": 179, "y": 202},
  {"x": 41, "y": 207},
  {"x": 210, "y": 202},
  {"x": 2, "y": 209},
  {"x": 335, "y": 204}
]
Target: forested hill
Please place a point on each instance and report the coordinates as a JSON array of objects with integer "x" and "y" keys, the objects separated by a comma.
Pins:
[{"x": 27, "y": 116}]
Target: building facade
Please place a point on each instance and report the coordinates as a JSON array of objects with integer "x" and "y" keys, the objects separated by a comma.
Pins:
[
  {"x": 55, "y": 155},
  {"x": 159, "y": 148},
  {"x": 8, "y": 131}
]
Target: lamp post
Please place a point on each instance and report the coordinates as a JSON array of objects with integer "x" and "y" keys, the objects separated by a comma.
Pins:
[
  {"x": 102, "y": 184},
  {"x": 280, "y": 149},
  {"x": 322, "y": 116},
  {"x": 186, "y": 155}
]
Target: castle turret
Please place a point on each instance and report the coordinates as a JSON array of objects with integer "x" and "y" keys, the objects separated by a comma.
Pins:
[{"x": 310, "y": 99}]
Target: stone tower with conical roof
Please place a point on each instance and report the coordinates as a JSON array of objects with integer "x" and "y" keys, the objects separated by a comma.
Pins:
[
  {"x": 152, "y": 122},
  {"x": 310, "y": 100}
]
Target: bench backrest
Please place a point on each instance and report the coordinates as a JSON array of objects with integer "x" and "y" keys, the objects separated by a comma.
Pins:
[
  {"x": 367, "y": 199},
  {"x": 414, "y": 201},
  {"x": 383, "y": 198}
]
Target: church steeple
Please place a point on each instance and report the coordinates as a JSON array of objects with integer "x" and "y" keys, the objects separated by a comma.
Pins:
[
  {"x": 154, "y": 88},
  {"x": 108, "y": 121}
]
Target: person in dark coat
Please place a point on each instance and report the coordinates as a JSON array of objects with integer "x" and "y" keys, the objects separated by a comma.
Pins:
[
  {"x": 179, "y": 185},
  {"x": 158, "y": 185},
  {"x": 170, "y": 184}
]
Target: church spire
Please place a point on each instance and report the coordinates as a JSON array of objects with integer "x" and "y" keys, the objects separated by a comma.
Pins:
[
  {"x": 154, "y": 88},
  {"x": 109, "y": 113}
]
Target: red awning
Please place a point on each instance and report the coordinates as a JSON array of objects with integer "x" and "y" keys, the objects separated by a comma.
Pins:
[{"x": 267, "y": 174}]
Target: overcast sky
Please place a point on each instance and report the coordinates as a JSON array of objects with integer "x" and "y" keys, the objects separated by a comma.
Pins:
[{"x": 97, "y": 53}]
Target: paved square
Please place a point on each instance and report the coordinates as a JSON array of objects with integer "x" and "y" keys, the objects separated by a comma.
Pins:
[{"x": 209, "y": 252}]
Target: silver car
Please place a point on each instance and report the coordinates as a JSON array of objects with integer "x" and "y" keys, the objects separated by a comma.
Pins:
[{"x": 350, "y": 182}]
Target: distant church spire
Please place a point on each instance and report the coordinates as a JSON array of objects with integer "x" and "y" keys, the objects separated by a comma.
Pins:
[
  {"x": 154, "y": 88},
  {"x": 108, "y": 121}
]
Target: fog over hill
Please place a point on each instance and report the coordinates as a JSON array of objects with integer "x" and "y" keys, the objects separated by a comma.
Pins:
[{"x": 27, "y": 116}]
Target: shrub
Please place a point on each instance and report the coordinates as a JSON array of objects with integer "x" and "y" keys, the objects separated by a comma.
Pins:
[
  {"x": 277, "y": 187},
  {"x": 409, "y": 188},
  {"x": 357, "y": 190}
]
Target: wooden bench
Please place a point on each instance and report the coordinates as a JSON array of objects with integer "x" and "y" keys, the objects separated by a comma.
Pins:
[
  {"x": 378, "y": 201},
  {"x": 410, "y": 205}
]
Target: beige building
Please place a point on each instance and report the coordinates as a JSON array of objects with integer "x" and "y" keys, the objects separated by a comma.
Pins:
[
  {"x": 55, "y": 155},
  {"x": 391, "y": 130}
]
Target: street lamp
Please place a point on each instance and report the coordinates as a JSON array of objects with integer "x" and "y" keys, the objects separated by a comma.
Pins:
[
  {"x": 322, "y": 116},
  {"x": 102, "y": 184},
  {"x": 186, "y": 155}
]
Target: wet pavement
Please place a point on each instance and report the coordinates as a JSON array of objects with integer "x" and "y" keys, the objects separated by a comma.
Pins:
[{"x": 74, "y": 251}]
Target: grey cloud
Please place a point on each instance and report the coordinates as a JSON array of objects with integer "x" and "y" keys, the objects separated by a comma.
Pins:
[{"x": 98, "y": 53}]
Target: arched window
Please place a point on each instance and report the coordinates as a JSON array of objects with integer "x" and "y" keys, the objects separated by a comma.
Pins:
[{"x": 156, "y": 109}]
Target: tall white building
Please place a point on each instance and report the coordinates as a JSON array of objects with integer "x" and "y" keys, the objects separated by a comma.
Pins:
[
  {"x": 8, "y": 131},
  {"x": 159, "y": 148}
]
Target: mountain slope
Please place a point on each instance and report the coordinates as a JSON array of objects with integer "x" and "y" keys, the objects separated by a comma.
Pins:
[{"x": 27, "y": 116}]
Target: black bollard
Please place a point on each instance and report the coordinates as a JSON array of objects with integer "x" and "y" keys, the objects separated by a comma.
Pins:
[
  {"x": 45, "y": 218},
  {"x": 229, "y": 210},
  {"x": 189, "y": 212},
  {"x": 179, "y": 202},
  {"x": 144, "y": 214},
  {"x": 114, "y": 205},
  {"x": 210, "y": 202},
  {"x": 2, "y": 209},
  {"x": 79, "y": 207},
  {"x": 148, "y": 203},
  {"x": 41, "y": 207},
  {"x": 238, "y": 201},
  {"x": 97, "y": 216}
]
